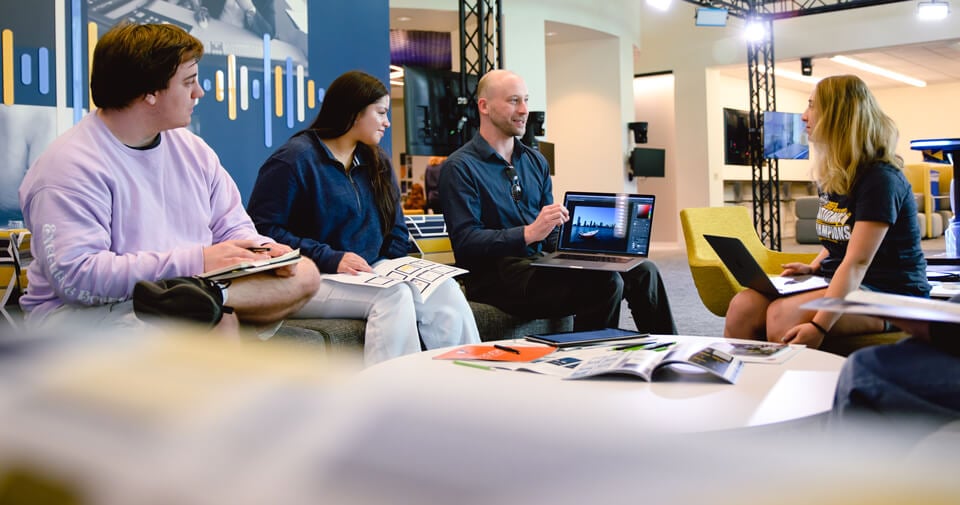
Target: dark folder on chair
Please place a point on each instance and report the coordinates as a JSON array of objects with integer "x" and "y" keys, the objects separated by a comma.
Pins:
[{"x": 744, "y": 267}]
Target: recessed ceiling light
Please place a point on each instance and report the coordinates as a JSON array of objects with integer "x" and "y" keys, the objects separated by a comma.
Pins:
[
  {"x": 404, "y": 19},
  {"x": 550, "y": 34},
  {"x": 866, "y": 67}
]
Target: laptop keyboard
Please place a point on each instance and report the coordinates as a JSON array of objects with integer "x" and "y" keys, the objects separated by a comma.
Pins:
[{"x": 593, "y": 257}]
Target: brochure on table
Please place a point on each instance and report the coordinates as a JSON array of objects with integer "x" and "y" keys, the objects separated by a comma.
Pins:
[
  {"x": 641, "y": 359},
  {"x": 423, "y": 275},
  {"x": 497, "y": 352},
  {"x": 645, "y": 363}
]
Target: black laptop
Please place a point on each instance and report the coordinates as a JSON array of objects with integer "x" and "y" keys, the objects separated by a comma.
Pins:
[
  {"x": 606, "y": 231},
  {"x": 744, "y": 267}
]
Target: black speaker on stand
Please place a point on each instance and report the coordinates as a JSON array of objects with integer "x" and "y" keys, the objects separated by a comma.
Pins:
[{"x": 535, "y": 120}]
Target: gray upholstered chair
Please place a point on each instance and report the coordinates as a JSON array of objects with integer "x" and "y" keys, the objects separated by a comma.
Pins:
[{"x": 347, "y": 334}]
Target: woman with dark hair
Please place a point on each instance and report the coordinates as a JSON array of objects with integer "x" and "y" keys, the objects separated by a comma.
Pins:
[{"x": 331, "y": 191}]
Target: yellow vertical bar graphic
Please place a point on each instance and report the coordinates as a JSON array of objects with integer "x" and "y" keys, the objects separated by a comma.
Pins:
[
  {"x": 278, "y": 90},
  {"x": 218, "y": 85},
  {"x": 231, "y": 87},
  {"x": 92, "y": 35},
  {"x": 6, "y": 60},
  {"x": 311, "y": 94}
]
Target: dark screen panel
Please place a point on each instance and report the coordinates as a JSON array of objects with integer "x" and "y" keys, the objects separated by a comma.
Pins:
[
  {"x": 437, "y": 114},
  {"x": 647, "y": 162}
]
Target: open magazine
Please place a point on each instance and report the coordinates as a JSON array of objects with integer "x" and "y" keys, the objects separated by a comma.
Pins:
[
  {"x": 645, "y": 363},
  {"x": 252, "y": 267},
  {"x": 423, "y": 275},
  {"x": 889, "y": 306}
]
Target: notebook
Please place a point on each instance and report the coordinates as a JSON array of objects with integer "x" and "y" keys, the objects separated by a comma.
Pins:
[
  {"x": 606, "y": 231},
  {"x": 737, "y": 258}
]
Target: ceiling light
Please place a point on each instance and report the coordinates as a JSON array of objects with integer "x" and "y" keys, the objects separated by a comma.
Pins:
[
  {"x": 932, "y": 10},
  {"x": 660, "y": 5},
  {"x": 404, "y": 19},
  {"x": 873, "y": 69},
  {"x": 787, "y": 74}
]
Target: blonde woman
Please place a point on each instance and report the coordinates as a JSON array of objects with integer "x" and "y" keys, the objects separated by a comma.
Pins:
[{"x": 867, "y": 222}]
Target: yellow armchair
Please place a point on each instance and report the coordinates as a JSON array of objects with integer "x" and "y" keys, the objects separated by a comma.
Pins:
[
  {"x": 714, "y": 282},
  {"x": 919, "y": 175}
]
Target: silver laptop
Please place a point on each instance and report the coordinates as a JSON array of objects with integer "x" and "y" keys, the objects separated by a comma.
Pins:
[
  {"x": 744, "y": 267},
  {"x": 606, "y": 231}
]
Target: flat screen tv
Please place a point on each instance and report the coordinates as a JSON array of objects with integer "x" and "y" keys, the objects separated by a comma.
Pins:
[
  {"x": 784, "y": 136},
  {"x": 436, "y": 111},
  {"x": 736, "y": 137}
]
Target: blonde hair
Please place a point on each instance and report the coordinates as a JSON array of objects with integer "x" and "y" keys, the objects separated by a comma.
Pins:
[{"x": 850, "y": 131}]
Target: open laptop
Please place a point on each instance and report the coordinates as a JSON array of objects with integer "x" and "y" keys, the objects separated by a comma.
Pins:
[
  {"x": 606, "y": 231},
  {"x": 744, "y": 267}
]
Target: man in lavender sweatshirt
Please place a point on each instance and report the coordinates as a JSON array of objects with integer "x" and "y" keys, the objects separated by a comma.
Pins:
[{"x": 128, "y": 194}]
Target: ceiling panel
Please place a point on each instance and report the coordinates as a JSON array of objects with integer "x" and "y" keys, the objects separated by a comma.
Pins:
[{"x": 934, "y": 62}]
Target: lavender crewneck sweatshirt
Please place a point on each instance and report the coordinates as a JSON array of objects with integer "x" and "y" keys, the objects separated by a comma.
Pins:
[{"x": 104, "y": 215}]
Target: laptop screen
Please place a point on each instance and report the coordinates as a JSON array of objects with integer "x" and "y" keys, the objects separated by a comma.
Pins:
[{"x": 607, "y": 223}]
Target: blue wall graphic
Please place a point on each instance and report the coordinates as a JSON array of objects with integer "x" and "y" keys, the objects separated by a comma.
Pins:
[{"x": 263, "y": 81}]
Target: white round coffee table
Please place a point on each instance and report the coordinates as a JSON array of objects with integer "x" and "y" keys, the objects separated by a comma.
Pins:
[{"x": 679, "y": 403}]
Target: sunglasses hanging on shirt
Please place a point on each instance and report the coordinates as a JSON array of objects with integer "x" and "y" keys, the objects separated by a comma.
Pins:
[{"x": 516, "y": 191}]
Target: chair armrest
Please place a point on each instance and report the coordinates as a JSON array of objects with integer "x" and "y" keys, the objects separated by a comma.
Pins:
[{"x": 773, "y": 260}]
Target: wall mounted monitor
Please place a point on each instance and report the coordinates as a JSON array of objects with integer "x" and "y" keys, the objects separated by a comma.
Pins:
[
  {"x": 736, "y": 137},
  {"x": 710, "y": 16},
  {"x": 784, "y": 136}
]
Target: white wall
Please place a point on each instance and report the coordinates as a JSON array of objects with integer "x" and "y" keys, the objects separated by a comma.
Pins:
[
  {"x": 930, "y": 112},
  {"x": 583, "y": 117},
  {"x": 653, "y": 99}
]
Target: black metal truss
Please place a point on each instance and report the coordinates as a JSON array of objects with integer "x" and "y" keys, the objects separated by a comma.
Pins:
[
  {"x": 780, "y": 9},
  {"x": 765, "y": 173},
  {"x": 760, "y": 65},
  {"x": 481, "y": 49}
]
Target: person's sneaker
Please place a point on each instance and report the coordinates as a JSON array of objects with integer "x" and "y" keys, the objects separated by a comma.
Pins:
[{"x": 194, "y": 299}]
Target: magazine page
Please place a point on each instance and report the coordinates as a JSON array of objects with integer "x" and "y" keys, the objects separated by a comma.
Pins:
[
  {"x": 709, "y": 359},
  {"x": 557, "y": 365},
  {"x": 640, "y": 363},
  {"x": 760, "y": 352},
  {"x": 423, "y": 275},
  {"x": 889, "y": 306}
]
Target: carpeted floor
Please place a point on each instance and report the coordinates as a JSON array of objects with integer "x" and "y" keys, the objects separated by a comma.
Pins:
[{"x": 691, "y": 316}]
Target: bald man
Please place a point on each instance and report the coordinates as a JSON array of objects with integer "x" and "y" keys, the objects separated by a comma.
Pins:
[{"x": 497, "y": 198}]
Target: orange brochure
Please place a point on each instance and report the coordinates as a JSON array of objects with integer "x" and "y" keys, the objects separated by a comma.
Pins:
[{"x": 498, "y": 352}]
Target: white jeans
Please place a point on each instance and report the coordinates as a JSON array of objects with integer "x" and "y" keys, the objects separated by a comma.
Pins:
[{"x": 393, "y": 317}]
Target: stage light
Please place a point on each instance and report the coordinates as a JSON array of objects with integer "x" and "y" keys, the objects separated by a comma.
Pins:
[{"x": 755, "y": 31}]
